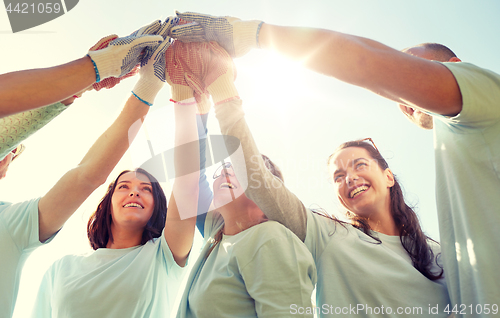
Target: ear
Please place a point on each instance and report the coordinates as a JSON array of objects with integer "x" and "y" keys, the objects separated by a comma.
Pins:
[
  {"x": 389, "y": 178},
  {"x": 454, "y": 59}
]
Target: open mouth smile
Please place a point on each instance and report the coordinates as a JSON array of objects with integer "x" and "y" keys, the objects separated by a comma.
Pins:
[
  {"x": 357, "y": 191},
  {"x": 227, "y": 185},
  {"x": 133, "y": 205}
]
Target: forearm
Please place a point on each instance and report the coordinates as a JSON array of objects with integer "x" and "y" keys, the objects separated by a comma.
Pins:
[
  {"x": 29, "y": 89},
  {"x": 366, "y": 63},
  {"x": 181, "y": 216},
  {"x": 16, "y": 128},
  {"x": 267, "y": 191},
  {"x": 77, "y": 184},
  {"x": 205, "y": 195}
]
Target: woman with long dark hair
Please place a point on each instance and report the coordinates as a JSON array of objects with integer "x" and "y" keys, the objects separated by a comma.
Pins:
[{"x": 140, "y": 250}]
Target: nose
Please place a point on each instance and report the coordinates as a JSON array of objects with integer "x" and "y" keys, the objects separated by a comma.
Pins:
[
  {"x": 226, "y": 172},
  {"x": 351, "y": 178},
  {"x": 134, "y": 193}
]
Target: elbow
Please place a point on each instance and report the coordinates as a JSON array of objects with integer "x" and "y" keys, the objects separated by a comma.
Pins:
[{"x": 89, "y": 181}]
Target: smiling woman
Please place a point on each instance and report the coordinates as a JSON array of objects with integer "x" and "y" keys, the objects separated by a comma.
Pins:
[
  {"x": 125, "y": 230},
  {"x": 117, "y": 211}
]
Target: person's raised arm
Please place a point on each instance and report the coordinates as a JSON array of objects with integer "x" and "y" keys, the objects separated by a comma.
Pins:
[
  {"x": 266, "y": 190},
  {"x": 29, "y": 89},
  {"x": 406, "y": 79},
  {"x": 76, "y": 185},
  {"x": 183, "y": 203},
  {"x": 184, "y": 72}
]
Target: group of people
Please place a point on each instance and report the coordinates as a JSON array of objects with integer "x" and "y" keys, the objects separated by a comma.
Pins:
[{"x": 264, "y": 251}]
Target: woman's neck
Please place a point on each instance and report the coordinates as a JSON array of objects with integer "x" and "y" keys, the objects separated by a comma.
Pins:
[
  {"x": 124, "y": 238},
  {"x": 239, "y": 217}
]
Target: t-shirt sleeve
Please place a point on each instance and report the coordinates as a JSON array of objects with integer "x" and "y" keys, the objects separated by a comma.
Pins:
[
  {"x": 280, "y": 264},
  {"x": 174, "y": 271},
  {"x": 320, "y": 230},
  {"x": 20, "y": 221},
  {"x": 480, "y": 89}
]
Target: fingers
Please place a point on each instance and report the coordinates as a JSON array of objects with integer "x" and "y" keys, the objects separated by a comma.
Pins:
[
  {"x": 167, "y": 26},
  {"x": 159, "y": 60},
  {"x": 151, "y": 28},
  {"x": 193, "y": 16},
  {"x": 104, "y": 42},
  {"x": 195, "y": 83},
  {"x": 190, "y": 32}
]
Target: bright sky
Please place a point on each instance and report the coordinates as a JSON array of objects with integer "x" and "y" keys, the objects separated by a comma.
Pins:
[{"x": 298, "y": 117}]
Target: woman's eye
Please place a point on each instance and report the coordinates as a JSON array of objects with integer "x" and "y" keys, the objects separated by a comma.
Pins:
[
  {"x": 337, "y": 178},
  {"x": 148, "y": 189},
  {"x": 361, "y": 165},
  {"x": 123, "y": 186}
]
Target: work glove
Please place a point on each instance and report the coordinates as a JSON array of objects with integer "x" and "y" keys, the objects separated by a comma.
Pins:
[
  {"x": 237, "y": 37},
  {"x": 187, "y": 64},
  {"x": 152, "y": 74},
  {"x": 121, "y": 55}
]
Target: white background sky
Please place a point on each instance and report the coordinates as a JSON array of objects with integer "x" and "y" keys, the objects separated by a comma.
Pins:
[{"x": 298, "y": 117}]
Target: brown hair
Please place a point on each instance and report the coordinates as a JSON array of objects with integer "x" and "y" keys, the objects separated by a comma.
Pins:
[
  {"x": 411, "y": 235},
  {"x": 99, "y": 225}
]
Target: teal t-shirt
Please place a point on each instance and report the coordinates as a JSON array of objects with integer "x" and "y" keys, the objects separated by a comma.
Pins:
[
  {"x": 467, "y": 149},
  {"x": 361, "y": 277},
  {"x": 140, "y": 281},
  {"x": 263, "y": 271},
  {"x": 18, "y": 238}
]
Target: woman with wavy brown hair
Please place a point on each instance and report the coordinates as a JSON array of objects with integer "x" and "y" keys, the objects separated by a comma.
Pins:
[{"x": 140, "y": 250}]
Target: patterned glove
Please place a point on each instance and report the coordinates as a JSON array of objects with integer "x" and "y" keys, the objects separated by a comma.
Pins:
[
  {"x": 152, "y": 75},
  {"x": 235, "y": 36},
  {"x": 110, "y": 82},
  {"x": 121, "y": 56},
  {"x": 221, "y": 75},
  {"x": 187, "y": 64}
]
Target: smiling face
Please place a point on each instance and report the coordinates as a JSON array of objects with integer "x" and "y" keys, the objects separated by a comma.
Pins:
[
  {"x": 227, "y": 188},
  {"x": 132, "y": 203},
  {"x": 361, "y": 185}
]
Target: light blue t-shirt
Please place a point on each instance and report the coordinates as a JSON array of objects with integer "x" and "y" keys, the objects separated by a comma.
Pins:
[
  {"x": 140, "y": 281},
  {"x": 467, "y": 149},
  {"x": 361, "y": 277},
  {"x": 18, "y": 238},
  {"x": 263, "y": 271}
]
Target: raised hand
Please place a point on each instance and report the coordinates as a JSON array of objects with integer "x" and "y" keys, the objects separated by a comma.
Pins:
[
  {"x": 152, "y": 74},
  {"x": 110, "y": 82},
  {"x": 121, "y": 56},
  {"x": 187, "y": 65},
  {"x": 237, "y": 37},
  {"x": 220, "y": 76}
]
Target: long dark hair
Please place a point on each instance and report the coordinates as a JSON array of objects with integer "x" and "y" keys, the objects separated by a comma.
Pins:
[
  {"x": 411, "y": 235},
  {"x": 99, "y": 225}
]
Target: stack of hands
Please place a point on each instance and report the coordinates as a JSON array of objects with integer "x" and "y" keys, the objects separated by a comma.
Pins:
[{"x": 192, "y": 52}]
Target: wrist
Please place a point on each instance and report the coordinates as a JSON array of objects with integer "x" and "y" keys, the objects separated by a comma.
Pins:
[
  {"x": 223, "y": 89},
  {"x": 181, "y": 93},
  {"x": 146, "y": 91}
]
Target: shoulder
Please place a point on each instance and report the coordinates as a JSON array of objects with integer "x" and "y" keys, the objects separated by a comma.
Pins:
[{"x": 27, "y": 205}]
